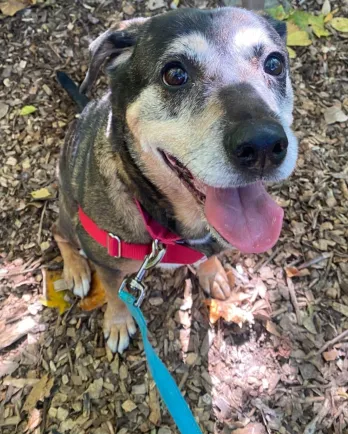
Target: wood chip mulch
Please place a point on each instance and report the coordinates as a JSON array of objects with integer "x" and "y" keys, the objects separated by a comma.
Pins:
[{"x": 285, "y": 373}]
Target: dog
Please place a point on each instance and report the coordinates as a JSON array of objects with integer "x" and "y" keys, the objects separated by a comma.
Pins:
[{"x": 196, "y": 120}]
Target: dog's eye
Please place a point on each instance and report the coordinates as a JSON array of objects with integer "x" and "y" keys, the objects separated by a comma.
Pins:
[
  {"x": 174, "y": 75},
  {"x": 274, "y": 65}
]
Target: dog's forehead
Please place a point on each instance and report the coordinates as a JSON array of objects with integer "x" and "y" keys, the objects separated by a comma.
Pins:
[{"x": 203, "y": 34}]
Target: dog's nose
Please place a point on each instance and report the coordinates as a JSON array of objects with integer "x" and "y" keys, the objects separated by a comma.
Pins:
[{"x": 259, "y": 144}]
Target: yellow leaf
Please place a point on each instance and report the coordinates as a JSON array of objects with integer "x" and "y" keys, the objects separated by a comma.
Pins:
[
  {"x": 96, "y": 296},
  {"x": 298, "y": 39},
  {"x": 319, "y": 31},
  {"x": 53, "y": 298},
  {"x": 27, "y": 110},
  {"x": 340, "y": 24},
  {"x": 328, "y": 18},
  {"x": 42, "y": 194},
  {"x": 292, "y": 53}
]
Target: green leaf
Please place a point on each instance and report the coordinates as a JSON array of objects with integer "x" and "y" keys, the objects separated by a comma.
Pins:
[
  {"x": 300, "y": 18},
  {"x": 318, "y": 26},
  {"x": 340, "y": 24},
  {"x": 27, "y": 110},
  {"x": 278, "y": 13}
]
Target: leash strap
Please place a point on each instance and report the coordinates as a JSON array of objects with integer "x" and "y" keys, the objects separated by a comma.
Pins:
[{"x": 166, "y": 385}]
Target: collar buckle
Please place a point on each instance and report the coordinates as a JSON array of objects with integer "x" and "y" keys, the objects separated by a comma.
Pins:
[{"x": 110, "y": 245}]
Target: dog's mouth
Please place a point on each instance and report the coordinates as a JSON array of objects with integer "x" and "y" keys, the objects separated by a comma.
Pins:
[{"x": 246, "y": 217}]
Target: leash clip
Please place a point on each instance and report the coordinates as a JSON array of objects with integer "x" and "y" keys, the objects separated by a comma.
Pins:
[{"x": 150, "y": 261}]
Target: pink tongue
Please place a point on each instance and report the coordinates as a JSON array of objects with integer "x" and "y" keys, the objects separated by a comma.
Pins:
[{"x": 246, "y": 217}]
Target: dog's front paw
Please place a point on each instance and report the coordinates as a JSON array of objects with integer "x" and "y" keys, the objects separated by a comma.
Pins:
[
  {"x": 118, "y": 327},
  {"x": 77, "y": 275},
  {"x": 213, "y": 279}
]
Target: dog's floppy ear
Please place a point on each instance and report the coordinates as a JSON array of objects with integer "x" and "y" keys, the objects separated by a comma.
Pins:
[
  {"x": 279, "y": 26},
  {"x": 110, "y": 44}
]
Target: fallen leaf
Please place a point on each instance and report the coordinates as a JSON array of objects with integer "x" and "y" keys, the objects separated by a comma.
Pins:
[
  {"x": 326, "y": 8},
  {"x": 54, "y": 298},
  {"x": 295, "y": 272},
  {"x": 27, "y": 110},
  {"x": 273, "y": 329},
  {"x": 35, "y": 418},
  {"x": 331, "y": 355},
  {"x": 3, "y": 109},
  {"x": 16, "y": 330},
  {"x": 7, "y": 367},
  {"x": 277, "y": 12},
  {"x": 328, "y": 18},
  {"x": 292, "y": 53},
  {"x": 154, "y": 404},
  {"x": 41, "y": 390},
  {"x": 318, "y": 25},
  {"x": 308, "y": 323},
  {"x": 43, "y": 194},
  {"x": 251, "y": 428},
  {"x": 335, "y": 114},
  {"x": 300, "y": 18},
  {"x": 18, "y": 383},
  {"x": 298, "y": 39},
  {"x": 228, "y": 311},
  {"x": 96, "y": 296},
  {"x": 341, "y": 308},
  {"x": 340, "y": 24},
  {"x": 11, "y": 7}
]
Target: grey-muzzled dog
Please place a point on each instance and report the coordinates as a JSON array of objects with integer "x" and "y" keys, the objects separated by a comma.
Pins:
[{"x": 197, "y": 118}]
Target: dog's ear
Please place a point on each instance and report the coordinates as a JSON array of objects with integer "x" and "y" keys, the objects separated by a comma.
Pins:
[
  {"x": 279, "y": 26},
  {"x": 109, "y": 45}
]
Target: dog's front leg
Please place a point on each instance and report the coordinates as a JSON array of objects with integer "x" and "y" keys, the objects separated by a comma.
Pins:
[{"x": 118, "y": 322}]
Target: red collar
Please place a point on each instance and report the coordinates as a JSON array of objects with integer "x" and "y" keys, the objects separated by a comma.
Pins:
[{"x": 175, "y": 254}]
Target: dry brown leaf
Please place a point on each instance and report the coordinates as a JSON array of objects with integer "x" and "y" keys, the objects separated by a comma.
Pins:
[
  {"x": 96, "y": 296},
  {"x": 251, "y": 428},
  {"x": 228, "y": 311},
  {"x": 11, "y": 7},
  {"x": 41, "y": 390},
  {"x": 295, "y": 272},
  {"x": 35, "y": 418},
  {"x": 154, "y": 404},
  {"x": 273, "y": 329},
  {"x": 331, "y": 355}
]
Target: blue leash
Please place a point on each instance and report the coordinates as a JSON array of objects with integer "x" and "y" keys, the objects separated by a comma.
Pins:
[{"x": 166, "y": 385}]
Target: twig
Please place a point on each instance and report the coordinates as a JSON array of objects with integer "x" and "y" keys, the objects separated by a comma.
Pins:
[
  {"x": 267, "y": 261},
  {"x": 294, "y": 300},
  {"x": 41, "y": 222},
  {"x": 279, "y": 311},
  {"x": 314, "y": 261},
  {"x": 332, "y": 342}
]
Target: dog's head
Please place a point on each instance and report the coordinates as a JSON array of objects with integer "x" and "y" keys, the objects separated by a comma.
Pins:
[{"x": 207, "y": 100}]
